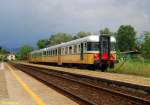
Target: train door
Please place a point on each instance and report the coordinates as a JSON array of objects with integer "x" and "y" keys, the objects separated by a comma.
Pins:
[
  {"x": 59, "y": 56},
  {"x": 104, "y": 47},
  {"x": 81, "y": 54}
]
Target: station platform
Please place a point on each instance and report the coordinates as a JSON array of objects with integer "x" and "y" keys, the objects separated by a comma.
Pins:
[
  {"x": 18, "y": 88},
  {"x": 131, "y": 79}
]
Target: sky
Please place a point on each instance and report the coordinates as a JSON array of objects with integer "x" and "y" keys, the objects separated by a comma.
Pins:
[{"x": 26, "y": 21}]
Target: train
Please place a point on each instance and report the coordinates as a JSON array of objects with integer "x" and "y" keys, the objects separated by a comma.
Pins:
[{"x": 94, "y": 51}]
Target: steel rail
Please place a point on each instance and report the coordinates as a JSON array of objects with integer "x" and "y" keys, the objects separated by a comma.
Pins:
[{"x": 131, "y": 97}]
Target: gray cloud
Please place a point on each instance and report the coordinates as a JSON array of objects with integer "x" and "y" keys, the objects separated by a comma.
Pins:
[{"x": 25, "y": 21}]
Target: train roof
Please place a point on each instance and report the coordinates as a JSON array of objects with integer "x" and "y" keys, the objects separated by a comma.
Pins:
[{"x": 91, "y": 38}]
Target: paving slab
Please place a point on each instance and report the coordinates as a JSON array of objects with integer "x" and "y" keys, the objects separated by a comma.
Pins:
[
  {"x": 18, "y": 94},
  {"x": 3, "y": 87}
]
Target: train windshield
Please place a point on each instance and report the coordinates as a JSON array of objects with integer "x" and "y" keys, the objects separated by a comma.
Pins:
[
  {"x": 92, "y": 46},
  {"x": 113, "y": 46}
]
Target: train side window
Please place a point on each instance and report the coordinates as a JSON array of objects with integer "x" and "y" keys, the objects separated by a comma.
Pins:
[
  {"x": 63, "y": 51},
  {"x": 44, "y": 53},
  {"x": 75, "y": 49},
  {"x": 66, "y": 50},
  {"x": 79, "y": 48},
  {"x": 85, "y": 46},
  {"x": 53, "y": 52},
  {"x": 49, "y": 52},
  {"x": 56, "y": 52},
  {"x": 70, "y": 49}
]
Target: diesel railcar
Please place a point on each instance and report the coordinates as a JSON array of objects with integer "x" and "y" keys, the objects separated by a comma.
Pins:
[{"x": 96, "y": 51}]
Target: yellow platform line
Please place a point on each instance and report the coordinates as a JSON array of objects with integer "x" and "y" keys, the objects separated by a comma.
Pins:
[
  {"x": 8, "y": 103},
  {"x": 34, "y": 96}
]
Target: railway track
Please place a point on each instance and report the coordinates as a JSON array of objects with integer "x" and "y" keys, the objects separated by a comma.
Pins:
[{"x": 88, "y": 92}]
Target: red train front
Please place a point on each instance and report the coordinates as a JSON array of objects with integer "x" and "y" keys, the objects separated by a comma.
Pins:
[{"x": 107, "y": 54}]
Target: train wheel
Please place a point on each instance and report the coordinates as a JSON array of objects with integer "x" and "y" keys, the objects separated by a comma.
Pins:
[{"x": 104, "y": 67}]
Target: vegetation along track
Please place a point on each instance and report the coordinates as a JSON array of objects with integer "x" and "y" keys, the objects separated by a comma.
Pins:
[{"x": 90, "y": 92}]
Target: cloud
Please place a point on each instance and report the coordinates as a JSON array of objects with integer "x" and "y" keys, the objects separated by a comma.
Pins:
[{"x": 25, "y": 21}]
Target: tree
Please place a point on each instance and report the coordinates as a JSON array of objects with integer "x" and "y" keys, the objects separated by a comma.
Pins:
[
  {"x": 105, "y": 31},
  {"x": 42, "y": 43},
  {"x": 81, "y": 34},
  {"x": 126, "y": 38},
  {"x": 3, "y": 51},
  {"x": 59, "y": 38},
  {"x": 146, "y": 45},
  {"x": 23, "y": 52}
]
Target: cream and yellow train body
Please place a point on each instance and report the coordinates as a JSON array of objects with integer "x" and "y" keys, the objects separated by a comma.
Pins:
[
  {"x": 79, "y": 51},
  {"x": 74, "y": 58}
]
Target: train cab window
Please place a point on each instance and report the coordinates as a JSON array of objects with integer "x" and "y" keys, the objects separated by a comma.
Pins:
[
  {"x": 92, "y": 46},
  {"x": 113, "y": 46}
]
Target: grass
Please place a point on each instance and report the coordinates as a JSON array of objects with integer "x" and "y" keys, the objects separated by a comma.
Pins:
[{"x": 133, "y": 67}]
